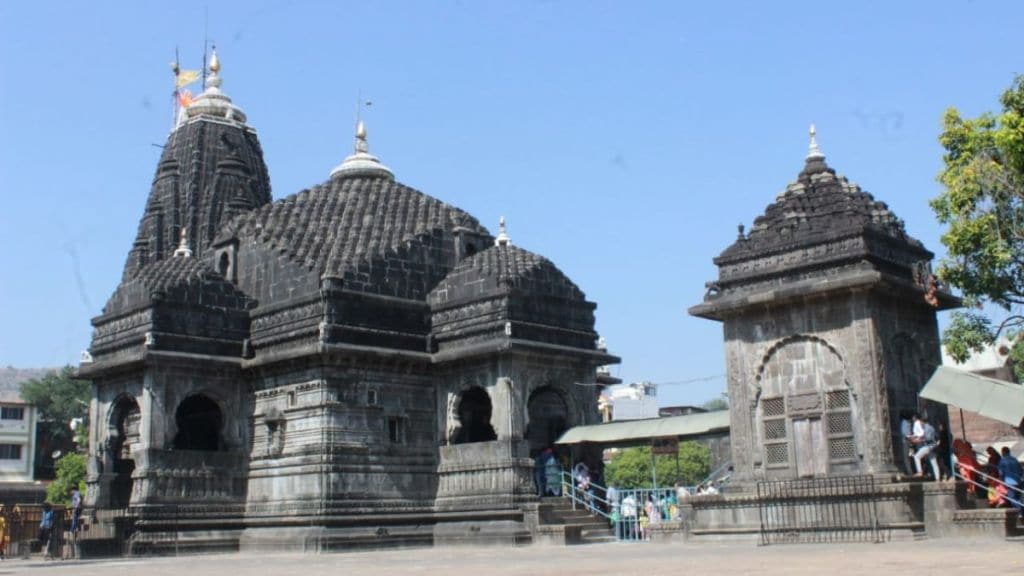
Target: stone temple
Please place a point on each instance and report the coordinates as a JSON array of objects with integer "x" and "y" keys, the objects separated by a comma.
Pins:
[
  {"x": 829, "y": 313},
  {"x": 355, "y": 364}
]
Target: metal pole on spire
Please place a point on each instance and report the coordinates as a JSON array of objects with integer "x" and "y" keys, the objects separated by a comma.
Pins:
[
  {"x": 175, "y": 69},
  {"x": 206, "y": 41}
]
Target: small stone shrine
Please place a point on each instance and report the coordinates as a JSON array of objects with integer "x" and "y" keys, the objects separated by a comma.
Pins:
[
  {"x": 829, "y": 313},
  {"x": 355, "y": 364}
]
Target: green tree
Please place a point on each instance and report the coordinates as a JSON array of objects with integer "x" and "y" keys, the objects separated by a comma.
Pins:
[
  {"x": 59, "y": 398},
  {"x": 982, "y": 207},
  {"x": 631, "y": 467},
  {"x": 70, "y": 474},
  {"x": 716, "y": 404}
]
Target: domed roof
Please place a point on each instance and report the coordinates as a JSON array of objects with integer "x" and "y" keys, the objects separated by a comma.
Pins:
[
  {"x": 180, "y": 279},
  {"x": 376, "y": 234},
  {"x": 818, "y": 207},
  {"x": 502, "y": 267}
]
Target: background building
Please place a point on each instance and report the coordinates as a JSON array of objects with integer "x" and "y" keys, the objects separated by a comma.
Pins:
[{"x": 18, "y": 422}]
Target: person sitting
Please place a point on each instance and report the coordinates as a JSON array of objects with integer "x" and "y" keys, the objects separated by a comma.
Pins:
[{"x": 926, "y": 440}]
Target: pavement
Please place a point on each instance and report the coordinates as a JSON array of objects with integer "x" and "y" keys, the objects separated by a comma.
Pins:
[{"x": 989, "y": 557}]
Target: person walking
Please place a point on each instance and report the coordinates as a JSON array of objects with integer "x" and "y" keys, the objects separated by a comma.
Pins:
[{"x": 46, "y": 531}]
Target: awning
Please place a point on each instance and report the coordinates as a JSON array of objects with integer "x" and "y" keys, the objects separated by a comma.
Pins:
[
  {"x": 641, "y": 431},
  {"x": 996, "y": 399}
]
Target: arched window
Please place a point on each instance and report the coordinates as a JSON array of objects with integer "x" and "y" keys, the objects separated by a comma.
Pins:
[
  {"x": 199, "y": 422},
  {"x": 224, "y": 264},
  {"x": 474, "y": 413},
  {"x": 549, "y": 418}
]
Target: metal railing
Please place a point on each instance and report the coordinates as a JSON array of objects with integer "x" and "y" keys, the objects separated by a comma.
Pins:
[
  {"x": 630, "y": 512},
  {"x": 829, "y": 509},
  {"x": 1017, "y": 491},
  {"x": 20, "y": 534}
]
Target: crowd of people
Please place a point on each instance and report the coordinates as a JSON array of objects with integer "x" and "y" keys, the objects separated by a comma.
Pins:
[{"x": 999, "y": 480}]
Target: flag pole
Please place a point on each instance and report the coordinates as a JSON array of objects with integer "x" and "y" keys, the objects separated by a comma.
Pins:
[
  {"x": 176, "y": 69},
  {"x": 206, "y": 42}
]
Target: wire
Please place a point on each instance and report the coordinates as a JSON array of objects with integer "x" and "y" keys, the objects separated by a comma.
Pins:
[{"x": 670, "y": 383}]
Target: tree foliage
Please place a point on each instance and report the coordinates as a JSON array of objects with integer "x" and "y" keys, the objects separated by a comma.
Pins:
[
  {"x": 59, "y": 398},
  {"x": 631, "y": 467},
  {"x": 70, "y": 474},
  {"x": 716, "y": 404},
  {"x": 982, "y": 207}
]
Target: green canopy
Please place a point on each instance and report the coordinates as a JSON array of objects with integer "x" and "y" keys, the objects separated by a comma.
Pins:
[
  {"x": 996, "y": 399},
  {"x": 641, "y": 431}
]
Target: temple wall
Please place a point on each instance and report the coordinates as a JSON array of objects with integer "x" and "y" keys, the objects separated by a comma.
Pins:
[
  {"x": 803, "y": 351},
  {"x": 344, "y": 439}
]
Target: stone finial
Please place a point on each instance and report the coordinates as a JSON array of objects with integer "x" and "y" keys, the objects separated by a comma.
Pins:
[
  {"x": 213, "y": 101},
  {"x": 183, "y": 248},
  {"x": 814, "y": 152},
  {"x": 214, "y": 61},
  {"x": 361, "y": 143},
  {"x": 502, "y": 239},
  {"x": 741, "y": 232},
  {"x": 361, "y": 162}
]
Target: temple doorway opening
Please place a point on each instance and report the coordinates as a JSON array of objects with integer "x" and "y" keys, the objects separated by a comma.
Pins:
[
  {"x": 474, "y": 413},
  {"x": 199, "y": 421},
  {"x": 124, "y": 438},
  {"x": 549, "y": 418}
]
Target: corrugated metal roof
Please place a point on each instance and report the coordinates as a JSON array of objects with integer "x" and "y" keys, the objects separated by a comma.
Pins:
[
  {"x": 625, "y": 431},
  {"x": 996, "y": 399}
]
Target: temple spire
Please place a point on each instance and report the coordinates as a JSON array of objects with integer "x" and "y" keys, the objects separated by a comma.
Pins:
[
  {"x": 814, "y": 153},
  {"x": 502, "y": 239}
]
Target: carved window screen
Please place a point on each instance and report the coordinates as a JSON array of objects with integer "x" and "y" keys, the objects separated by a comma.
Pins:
[
  {"x": 839, "y": 422},
  {"x": 776, "y": 440}
]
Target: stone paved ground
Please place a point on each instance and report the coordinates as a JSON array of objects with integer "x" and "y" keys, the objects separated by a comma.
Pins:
[{"x": 911, "y": 558}]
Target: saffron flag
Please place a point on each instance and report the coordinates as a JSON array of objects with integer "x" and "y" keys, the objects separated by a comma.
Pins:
[
  {"x": 184, "y": 98},
  {"x": 185, "y": 77}
]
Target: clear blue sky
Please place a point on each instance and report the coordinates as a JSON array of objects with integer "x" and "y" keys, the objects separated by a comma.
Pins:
[{"x": 623, "y": 140}]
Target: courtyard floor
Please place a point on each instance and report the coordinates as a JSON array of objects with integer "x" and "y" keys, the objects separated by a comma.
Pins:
[{"x": 925, "y": 557}]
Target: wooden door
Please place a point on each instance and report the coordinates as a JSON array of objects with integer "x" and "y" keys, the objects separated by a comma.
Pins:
[{"x": 810, "y": 447}]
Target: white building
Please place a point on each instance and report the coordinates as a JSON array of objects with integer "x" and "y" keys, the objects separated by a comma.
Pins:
[
  {"x": 17, "y": 434},
  {"x": 633, "y": 401}
]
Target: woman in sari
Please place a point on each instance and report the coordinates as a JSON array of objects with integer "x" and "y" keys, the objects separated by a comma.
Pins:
[{"x": 966, "y": 463}]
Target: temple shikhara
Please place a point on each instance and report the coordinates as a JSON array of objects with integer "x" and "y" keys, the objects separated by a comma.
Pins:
[{"x": 357, "y": 363}]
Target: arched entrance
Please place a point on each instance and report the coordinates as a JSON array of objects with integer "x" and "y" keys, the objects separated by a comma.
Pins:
[
  {"x": 123, "y": 440},
  {"x": 549, "y": 418},
  {"x": 474, "y": 413},
  {"x": 199, "y": 421},
  {"x": 805, "y": 410}
]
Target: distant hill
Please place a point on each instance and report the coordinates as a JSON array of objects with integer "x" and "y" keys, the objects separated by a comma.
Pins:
[{"x": 11, "y": 379}]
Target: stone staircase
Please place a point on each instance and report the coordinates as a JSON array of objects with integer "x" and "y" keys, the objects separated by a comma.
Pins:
[
  {"x": 578, "y": 526},
  {"x": 974, "y": 514}
]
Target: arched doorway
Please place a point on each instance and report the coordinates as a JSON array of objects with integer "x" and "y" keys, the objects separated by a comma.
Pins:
[
  {"x": 549, "y": 418},
  {"x": 123, "y": 441},
  {"x": 805, "y": 410},
  {"x": 474, "y": 413},
  {"x": 199, "y": 421}
]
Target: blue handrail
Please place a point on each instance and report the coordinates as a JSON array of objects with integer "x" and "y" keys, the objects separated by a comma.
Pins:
[{"x": 1009, "y": 489}]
